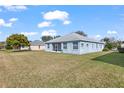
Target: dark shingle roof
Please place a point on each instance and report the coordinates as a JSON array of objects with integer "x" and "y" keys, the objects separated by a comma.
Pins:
[
  {"x": 73, "y": 37},
  {"x": 37, "y": 43}
]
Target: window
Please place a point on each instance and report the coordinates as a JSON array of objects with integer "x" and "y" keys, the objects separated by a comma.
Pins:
[
  {"x": 64, "y": 45},
  {"x": 48, "y": 45},
  {"x": 87, "y": 45},
  {"x": 92, "y": 45},
  {"x": 100, "y": 45},
  {"x": 82, "y": 45},
  {"x": 39, "y": 46},
  {"x": 96, "y": 45},
  {"x": 22, "y": 46},
  {"x": 75, "y": 45}
]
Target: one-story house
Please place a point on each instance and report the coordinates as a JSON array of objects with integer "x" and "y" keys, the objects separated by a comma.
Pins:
[
  {"x": 37, "y": 45},
  {"x": 122, "y": 45},
  {"x": 2, "y": 45},
  {"x": 25, "y": 48},
  {"x": 74, "y": 44}
]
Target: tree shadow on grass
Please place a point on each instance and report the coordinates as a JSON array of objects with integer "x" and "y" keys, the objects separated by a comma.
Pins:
[{"x": 114, "y": 58}]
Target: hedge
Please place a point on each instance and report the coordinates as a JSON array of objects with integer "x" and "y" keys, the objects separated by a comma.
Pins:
[{"x": 121, "y": 50}]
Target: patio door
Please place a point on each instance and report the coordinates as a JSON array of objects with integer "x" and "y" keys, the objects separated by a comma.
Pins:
[{"x": 57, "y": 47}]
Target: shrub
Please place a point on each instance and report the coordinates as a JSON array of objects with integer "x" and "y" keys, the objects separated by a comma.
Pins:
[
  {"x": 109, "y": 46},
  {"x": 106, "y": 49},
  {"x": 8, "y": 47},
  {"x": 121, "y": 50}
]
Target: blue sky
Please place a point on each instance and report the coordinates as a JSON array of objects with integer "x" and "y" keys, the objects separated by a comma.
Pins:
[{"x": 35, "y": 21}]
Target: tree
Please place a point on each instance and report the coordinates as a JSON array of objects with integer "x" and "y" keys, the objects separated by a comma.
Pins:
[
  {"x": 81, "y": 33},
  {"x": 106, "y": 39},
  {"x": 111, "y": 43},
  {"x": 57, "y": 36},
  {"x": 15, "y": 41},
  {"x": 108, "y": 43},
  {"x": 16, "y": 44},
  {"x": 46, "y": 38}
]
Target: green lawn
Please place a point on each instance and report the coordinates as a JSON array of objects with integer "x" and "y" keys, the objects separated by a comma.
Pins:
[{"x": 41, "y": 69}]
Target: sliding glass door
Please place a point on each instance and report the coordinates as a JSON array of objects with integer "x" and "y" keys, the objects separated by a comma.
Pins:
[{"x": 57, "y": 47}]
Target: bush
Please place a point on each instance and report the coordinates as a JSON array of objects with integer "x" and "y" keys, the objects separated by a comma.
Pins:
[
  {"x": 109, "y": 46},
  {"x": 106, "y": 49},
  {"x": 8, "y": 47},
  {"x": 121, "y": 50}
]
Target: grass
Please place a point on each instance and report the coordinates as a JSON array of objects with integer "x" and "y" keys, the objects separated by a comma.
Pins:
[{"x": 42, "y": 69}]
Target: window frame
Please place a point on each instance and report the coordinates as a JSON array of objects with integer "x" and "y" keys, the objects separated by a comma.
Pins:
[
  {"x": 82, "y": 44},
  {"x": 87, "y": 45},
  {"x": 100, "y": 45},
  {"x": 39, "y": 46},
  {"x": 92, "y": 45},
  {"x": 75, "y": 45},
  {"x": 96, "y": 45},
  {"x": 48, "y": 46},
  {"x": 65, "y": 45}
]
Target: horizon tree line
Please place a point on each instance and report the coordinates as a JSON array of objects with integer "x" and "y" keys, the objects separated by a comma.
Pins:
[{"x": 16, "y": 41}]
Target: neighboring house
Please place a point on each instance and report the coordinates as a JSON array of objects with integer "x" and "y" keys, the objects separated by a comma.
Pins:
[
  {"x": 2, "y": 45},
  {"x": 74, "y": 44},
  {"x": 122, "y": 45},
  {"x": 25, "y": 48},
  {"x": 37, "y": 45}
]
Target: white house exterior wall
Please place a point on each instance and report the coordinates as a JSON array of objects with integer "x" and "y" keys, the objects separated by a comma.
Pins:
[
  {"x": 25, "y": 48},
  {"x": 122, "y": 45},
  {"x": 50, "y": 49},
  {"x": 82, "y": 49},
  {"x": 92, "y": 47},
  {"x": 70, "y": 49},
  {"x": 37, "y": 47}
]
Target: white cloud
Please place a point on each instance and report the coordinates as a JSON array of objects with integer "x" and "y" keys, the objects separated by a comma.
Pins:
[
  {"x": 7, "y": 24},
  {"x": 29, "y": 33},
  {"x": 49, "y": 33},
  {"x": 57, "y": 14},
  {"x": 2, "y": 22},
  {"x": 44, "y": 24},
  {"x": 66, "y": 22},
  {"x": 0, "y": 32},
  {"x": 13, "y": 19},
  {"x": 110, "y": 32},
  {"x": 98, "y": 36},
  {"x": 15, "y": 7}
]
